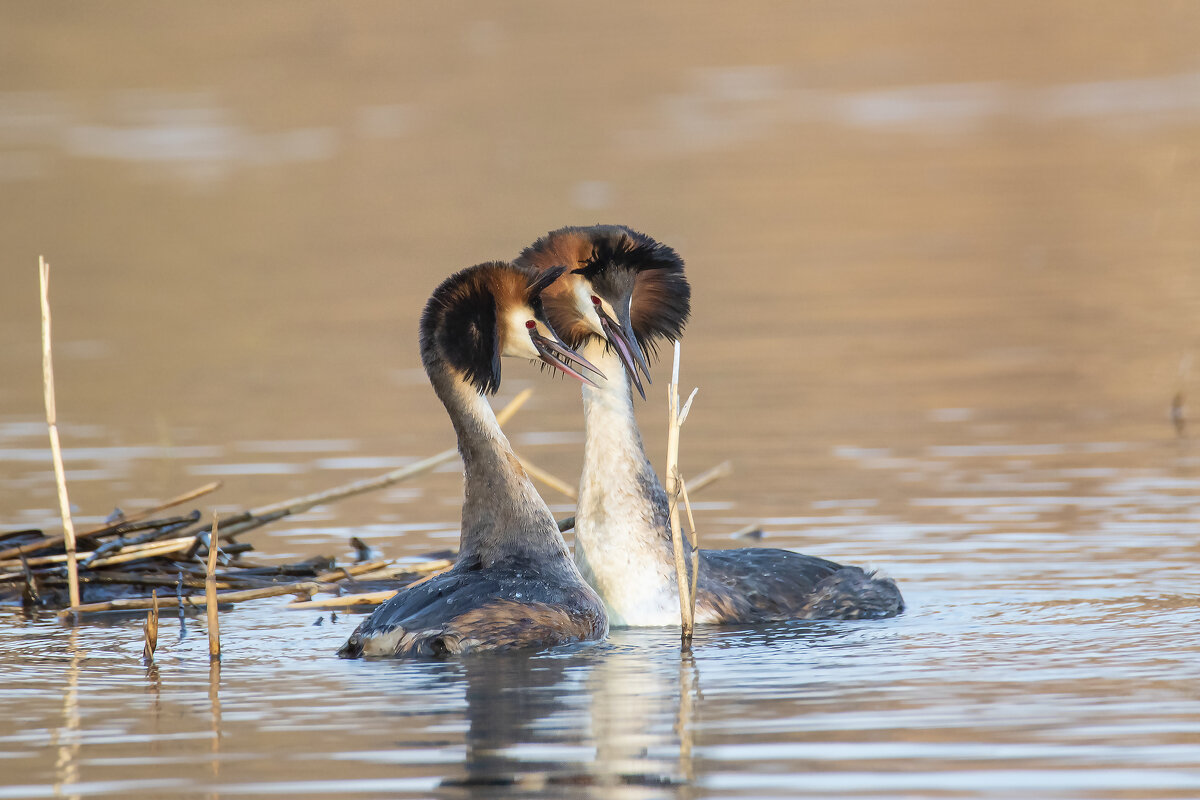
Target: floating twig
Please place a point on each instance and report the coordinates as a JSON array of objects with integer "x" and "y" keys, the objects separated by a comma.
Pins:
[
  {"x": 60, "y": 477},
  {"x": 361, "y": 599},
  {"x": 374, "y": 598}
]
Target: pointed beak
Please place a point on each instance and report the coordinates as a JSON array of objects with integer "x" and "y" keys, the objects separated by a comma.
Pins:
[
  {"x": 558, "y": 355},
  {"x": 630, "y": 352}
]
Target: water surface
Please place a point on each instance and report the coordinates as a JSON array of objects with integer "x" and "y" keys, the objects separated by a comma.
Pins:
[{"x": 946, "y": 278}]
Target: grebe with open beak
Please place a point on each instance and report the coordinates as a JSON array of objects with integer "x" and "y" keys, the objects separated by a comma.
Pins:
[
  {"x": 621, "y": 293},
  {"x": 514, "y": 583}
]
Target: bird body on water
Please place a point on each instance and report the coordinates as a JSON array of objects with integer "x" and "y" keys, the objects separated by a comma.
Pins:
[
  {"x": 620, "y": 294},
  {"x": 513, "y": 583}
]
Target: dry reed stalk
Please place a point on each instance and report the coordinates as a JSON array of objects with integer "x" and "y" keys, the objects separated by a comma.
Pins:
[
  {"x": 390, "y": 570},
  {"x": 140, "y": 603},
  {"x": 51, "y": 541},
  {"x": 210, "y": 596},
  {"x": 144, "y": 551},
  {"x": 60, "y": 476},
  {"x": 363, "y": 599},
  {"x": 342, "y": 573},
  {"x": 144, "y": 579},
  {"x": 131, "y": 553},
  {"x": 432, "y": 566},
  {"x": 258, "y": 517},
  {"x": 539, "y": 474},
  {"x": 151, "y": 630},
  {"x": 692, "y": 539},
  {"x": 374, "y": 598},
  {"x": 686, "y": 609}
]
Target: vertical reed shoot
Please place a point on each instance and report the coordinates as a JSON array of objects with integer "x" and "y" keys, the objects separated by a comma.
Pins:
[
  {"x": 673, "y": 485},
  {"x": 64, "y": 504},
  {"x": 210, "y": 596}
]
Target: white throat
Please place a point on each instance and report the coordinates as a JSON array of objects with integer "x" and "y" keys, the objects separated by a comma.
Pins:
[{"x": 622, "y": 536}]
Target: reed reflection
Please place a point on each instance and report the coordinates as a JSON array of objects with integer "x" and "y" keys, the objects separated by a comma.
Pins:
[{"x": 66, "y": 738}]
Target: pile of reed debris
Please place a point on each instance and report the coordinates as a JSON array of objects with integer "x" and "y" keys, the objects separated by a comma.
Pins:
[{"x": 121, "y": 562}]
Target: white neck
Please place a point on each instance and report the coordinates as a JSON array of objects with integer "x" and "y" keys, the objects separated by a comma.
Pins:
[{"x": 622, "y": 533}]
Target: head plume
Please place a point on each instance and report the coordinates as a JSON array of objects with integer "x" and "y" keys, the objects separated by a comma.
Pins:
[
  {"x": 622, "y": 266},
  {"x": 460, "y": 326}
]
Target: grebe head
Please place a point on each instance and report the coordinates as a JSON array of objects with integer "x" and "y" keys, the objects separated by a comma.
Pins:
[
  {"x": 622, "y": 285},
  {"x": 487, "y": 311}
]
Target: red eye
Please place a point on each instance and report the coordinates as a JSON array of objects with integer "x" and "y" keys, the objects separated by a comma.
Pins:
[
  {"x": 531, "y": 324},
  {"x": 595, "y": 300}
]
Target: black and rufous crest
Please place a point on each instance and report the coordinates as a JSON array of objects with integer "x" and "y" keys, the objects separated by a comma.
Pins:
[
  {"x": 622, "y": 266},
  {"x": 461, "y": 321}
]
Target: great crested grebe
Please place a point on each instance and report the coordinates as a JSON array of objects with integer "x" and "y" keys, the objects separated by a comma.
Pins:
[
  {"x": 514, "y": 583},
  {"x": 621, "y": 294}
]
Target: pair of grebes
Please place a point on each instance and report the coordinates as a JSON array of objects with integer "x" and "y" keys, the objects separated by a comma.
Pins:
[{"x": 589, "y": 302}]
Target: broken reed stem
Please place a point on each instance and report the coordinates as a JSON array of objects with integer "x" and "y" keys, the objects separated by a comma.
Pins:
[
  {"x": 60, "y": 477},
  {"x": 257, "y": 517},
  {"x": 210, "y": 596},
  {"x": 686, "y": 609},
  {"x": 692, "y": 540},
  {"x": 151, "y": 630}
]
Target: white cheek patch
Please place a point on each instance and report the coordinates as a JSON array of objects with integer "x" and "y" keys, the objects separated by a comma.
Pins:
[
  {"x": 587, "y": 309},
  {"x": 516, "y": 336}
]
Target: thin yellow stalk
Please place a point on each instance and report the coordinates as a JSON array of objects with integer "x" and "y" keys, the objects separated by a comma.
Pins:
[
  {"x": 64, "y": 504},
  {"x": 210, "y": 596},
  {"x": 672, "y": 488},
  {"x": 692, "y": 540}
]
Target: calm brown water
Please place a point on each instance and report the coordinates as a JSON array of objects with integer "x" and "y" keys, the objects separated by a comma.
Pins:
[{"x": 946, "y": 263}]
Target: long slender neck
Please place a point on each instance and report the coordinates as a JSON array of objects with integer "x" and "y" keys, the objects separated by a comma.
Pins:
[
  {"x": 503, "y": 516},
  {"x": 622, "y": 506}
]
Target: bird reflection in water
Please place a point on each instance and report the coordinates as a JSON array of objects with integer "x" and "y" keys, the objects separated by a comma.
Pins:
[{"x": 526, "y": 737}]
